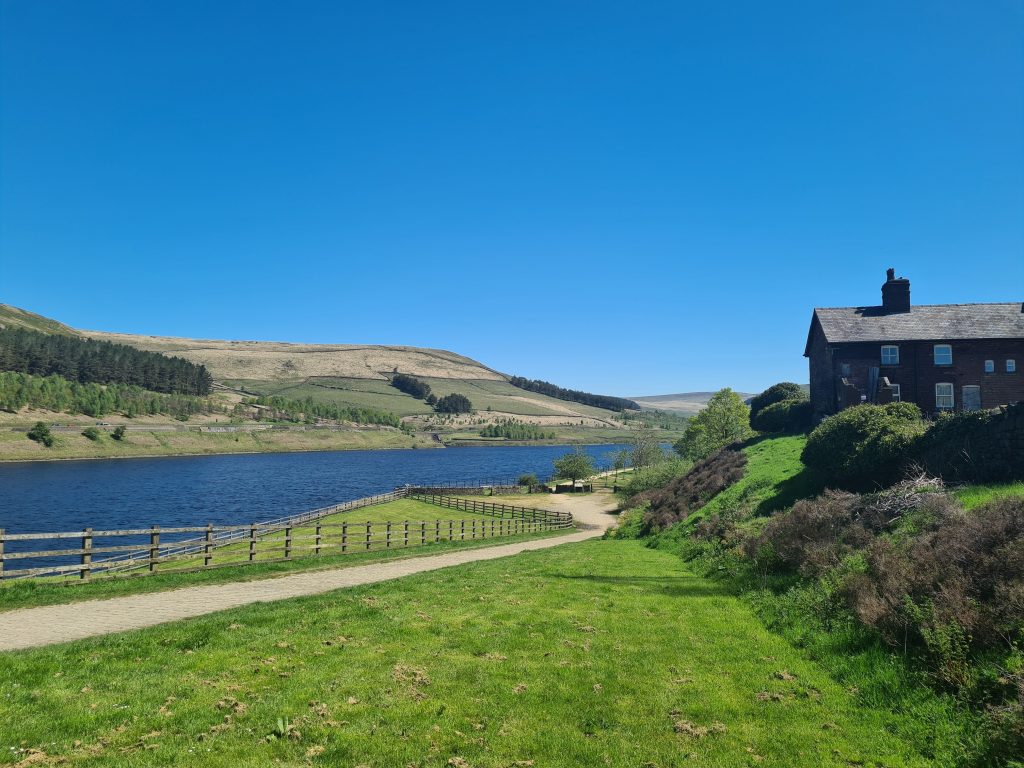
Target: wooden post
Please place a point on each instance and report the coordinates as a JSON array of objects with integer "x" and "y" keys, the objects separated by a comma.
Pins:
[
  {"x": 462, "y": 533},
  {"x": 154, "y": 548},
  {"x": 423, "y": 533},
  {"x": 86, "y": 554},
  {"x": 474, "y": 529},
  {"x": 437, "y": 531},
  {"x": 319, "y": 537},
  {"x": 387, "y": 536},
  {"x": 368, "y": 534},
  {"x": 405, "y": 535},
  {"x": 344, "y": 537},
  {"x": 208, "y": 545},
  {"x": 287, "y": 542},
  {"x": 1, "y": 553},
  {"x": 252, "y": 543}
]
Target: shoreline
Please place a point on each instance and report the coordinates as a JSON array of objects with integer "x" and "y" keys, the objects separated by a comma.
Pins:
[{"x": 430, "y": 447}]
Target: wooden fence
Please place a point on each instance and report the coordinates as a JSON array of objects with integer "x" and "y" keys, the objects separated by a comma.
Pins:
[{"x": 101, "y": 551}]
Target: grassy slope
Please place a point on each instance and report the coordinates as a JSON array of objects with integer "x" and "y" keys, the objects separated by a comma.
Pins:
[
  {"x": 935, "y": 723},
  {"x": 773, "y": 479},
  {"x": 13, "y": 317},
  {"x": 587, "y": 654},
  {"x": 15, "y": 446}
]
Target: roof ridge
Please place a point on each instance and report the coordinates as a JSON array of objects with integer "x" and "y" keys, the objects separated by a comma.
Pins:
[{"x": 932, "y": 306}]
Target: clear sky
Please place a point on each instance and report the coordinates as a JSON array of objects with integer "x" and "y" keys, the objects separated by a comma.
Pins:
[{"x": 630, "y": 198}]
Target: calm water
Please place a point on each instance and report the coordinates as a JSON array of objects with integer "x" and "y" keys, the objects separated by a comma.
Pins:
[{"x": 225, "y": 490}]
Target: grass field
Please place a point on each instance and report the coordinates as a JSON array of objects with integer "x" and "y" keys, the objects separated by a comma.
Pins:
[
  {"x": 602, "y": 653},
  {"x": 972, "y": 496},
  {"x": 376, "y": 393},
  {"x": 15, "y": 446}
]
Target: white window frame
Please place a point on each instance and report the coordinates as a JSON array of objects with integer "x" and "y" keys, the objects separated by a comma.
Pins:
[
  {"x": 895, "y": 392},
  {"x": 940, "y": 399},
  {"x": 894, "y": 354},
  {"x": 935, "y": 354},
  {"x": 990, "y": 366},
  {"x": 1011, "y": 365}
]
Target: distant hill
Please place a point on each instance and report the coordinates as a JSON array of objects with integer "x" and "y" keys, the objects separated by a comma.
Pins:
[
  {"x": 356, "y": 375},
  {"x": 686, "y": 403}
]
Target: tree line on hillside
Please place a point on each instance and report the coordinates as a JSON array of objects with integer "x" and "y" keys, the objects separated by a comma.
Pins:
[
  {"x": 99, "y": 362},
  {"x": 573, "y": 395},
  {"x": 410, "y": 385},
  {"x": 55, "y": 393},
  {"x": 310, "y": 411},
  {"x": 513, "y": 429}
]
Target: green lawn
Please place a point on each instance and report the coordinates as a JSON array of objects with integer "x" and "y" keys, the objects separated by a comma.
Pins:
[
  {"x": 602, "y": 653},
  {"x": 232, "y": 558}
]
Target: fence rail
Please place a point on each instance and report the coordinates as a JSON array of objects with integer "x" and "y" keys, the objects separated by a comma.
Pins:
[{"x": 213, "y": 546}]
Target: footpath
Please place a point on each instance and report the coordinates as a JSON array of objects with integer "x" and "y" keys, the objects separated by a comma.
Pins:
[{"x": 46, "y": 625}]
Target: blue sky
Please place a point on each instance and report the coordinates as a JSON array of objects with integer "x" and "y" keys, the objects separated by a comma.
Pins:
[{"x": 630, "y": 198}]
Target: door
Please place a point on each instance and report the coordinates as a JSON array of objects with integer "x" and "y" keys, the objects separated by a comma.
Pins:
[{"x": 972, "y": 398}]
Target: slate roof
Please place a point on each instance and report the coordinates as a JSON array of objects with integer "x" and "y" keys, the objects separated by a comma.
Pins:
[{"x": 924, "y": 322}]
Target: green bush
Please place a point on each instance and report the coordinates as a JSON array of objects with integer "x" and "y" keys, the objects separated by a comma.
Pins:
[
  {"x": 41, "y": 434},
  {"x": 91, "y": 432},
  {"x": 791, "y": 416},
  {"x": 776, "y": 393},
  {"x": 975, "y": 447},
  {"x": 865, "y": 446},
  {"x": 528, "y": 481},
  {"x": 118, "y": 433}
]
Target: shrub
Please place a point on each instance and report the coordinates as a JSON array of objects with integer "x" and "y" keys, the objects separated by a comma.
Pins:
[
  {"x": 776, "y": 393},
  {"x": 865, "y": 446},
  {"x": 975, "y": 447},
  {"x": 693, "y": 490},
  {"x": 528, "y": 480},
  {"x": 41, "y": 434},
  {"x": 119, "y": 432},
  {"x": 791, "y": 416},
  {"x": 91, "y": 432}
]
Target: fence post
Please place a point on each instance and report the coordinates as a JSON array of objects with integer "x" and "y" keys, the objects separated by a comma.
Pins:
[
  {"x": 462, "y": 536},
  {"x": 208, "y": 545},
  {"x": 316, "y": 544},
  {"x": 1, "y": 553},
  {"x": 387, "y": 536},
  {"x": 344, "y": 536},
  {"x": 437, "y": 531},
  {"x": 423, "y": 532},
  {"x": 368, "y": 534},
  {"x": 86, "y": 554},
  {"x": 287, "y": 542},
  {"x": 405, "y": 535},
  {"x": 252, "y": 542},
  {"x": 154, "y": 548},
  {"x": 474, "y": 529}
]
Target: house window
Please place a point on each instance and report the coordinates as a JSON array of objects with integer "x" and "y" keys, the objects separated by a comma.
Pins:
[
  {"x": 943, "y": 354},
  {"x": 844, "y": 369},
  {"x": 895, "y": 392},
  {"x": 944, "y": 397},
  {"x": 1011, "y": 366},
  {"x": 990, "y": 366},
  {"x": 890, "y": 355}
]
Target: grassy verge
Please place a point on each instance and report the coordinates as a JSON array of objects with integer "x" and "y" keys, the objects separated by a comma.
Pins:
[
  {"x": 601, "y": 653},
  {"x": 14, "y": 446},
  {"x": 35, "y": 592}
]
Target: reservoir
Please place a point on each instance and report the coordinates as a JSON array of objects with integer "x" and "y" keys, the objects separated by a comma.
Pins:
[{"x": 240, "y": 489}]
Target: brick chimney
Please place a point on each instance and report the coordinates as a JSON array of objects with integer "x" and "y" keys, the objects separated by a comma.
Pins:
[{"x": 895, "y": 293}]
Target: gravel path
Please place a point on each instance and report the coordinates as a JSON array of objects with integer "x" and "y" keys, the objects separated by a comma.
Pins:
[{"x": 33, "y": 627}]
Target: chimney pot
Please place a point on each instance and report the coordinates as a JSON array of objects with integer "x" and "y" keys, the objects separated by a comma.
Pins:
[{"x": 895, "y": 293}]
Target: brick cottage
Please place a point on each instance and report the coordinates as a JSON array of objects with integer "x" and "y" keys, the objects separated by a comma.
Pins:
[{"x": 942, "y": 357}]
